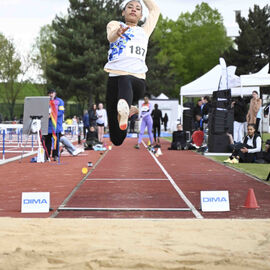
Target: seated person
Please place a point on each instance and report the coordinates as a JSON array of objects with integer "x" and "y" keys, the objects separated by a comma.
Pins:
[
  {"x": 69, "y": 146},
  {"x": 179, "y": 139},
  {"x": 266, "y": 154},
  {"x": 249, "y": 150},
  {"x": 197, "y": 139},
  {"x": 91, "y": 139},
  {"x": 198, "y": 121}
]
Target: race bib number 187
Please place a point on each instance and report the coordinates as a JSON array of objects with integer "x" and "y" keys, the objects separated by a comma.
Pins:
[{"x": 136, "y": 50}]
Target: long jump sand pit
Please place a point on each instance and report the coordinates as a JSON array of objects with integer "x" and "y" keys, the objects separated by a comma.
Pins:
[{"x": 134, "y": 244}]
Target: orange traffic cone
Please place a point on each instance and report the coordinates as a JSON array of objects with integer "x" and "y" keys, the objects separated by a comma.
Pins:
[{"x": 251, "y": 201}]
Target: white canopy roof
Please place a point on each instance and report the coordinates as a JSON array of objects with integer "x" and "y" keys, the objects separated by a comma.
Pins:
[
  {"x": 204, "y": 85},
  {"x": 261, "y": 78},
  {"x": 210, "y": 81},
  {"x": 162, "y": 96}
]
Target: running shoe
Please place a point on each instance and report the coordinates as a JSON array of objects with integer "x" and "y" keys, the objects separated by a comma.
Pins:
[
  {"x": 234, "y": 161},
  {"x": 123, "y": 113},
  {"x": 228, "y": 160},
  {"x": 136, "y": 146},
  {"x": 77, "y": 151}
]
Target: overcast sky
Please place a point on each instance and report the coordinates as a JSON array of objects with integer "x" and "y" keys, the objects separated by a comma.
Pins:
[{"x": 22, "y": 19}]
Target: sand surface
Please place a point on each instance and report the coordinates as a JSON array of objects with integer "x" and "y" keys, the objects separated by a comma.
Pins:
[{"x": 134, "y": 244}]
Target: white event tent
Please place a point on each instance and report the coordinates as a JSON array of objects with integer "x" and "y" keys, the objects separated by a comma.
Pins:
[
  {"x": 213, "y": 80},
  {"x": 261, "y": 78}
]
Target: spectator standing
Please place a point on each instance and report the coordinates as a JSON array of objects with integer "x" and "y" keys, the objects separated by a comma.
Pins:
[
  {"x": 85, "y": 123},
  {"x": 254, "y": 112},
  {"x": 56, "y": 116},
  {"x": 205, "y": 108},
  {"x": 101, "y": 121},
  {"x": 157, "y": 118},
  {"x": 240, "y": 112},
  {"x": 198, "y": 108},
  {"x": 75, "y": 125},
  {"x": 93, "y": 116},
  {"x": 165, "y": 121}
]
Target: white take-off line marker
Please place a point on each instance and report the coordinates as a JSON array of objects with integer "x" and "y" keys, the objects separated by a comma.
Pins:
[
  {"x": 126, "y": 179},
  {"x": 178, "y": 190}
]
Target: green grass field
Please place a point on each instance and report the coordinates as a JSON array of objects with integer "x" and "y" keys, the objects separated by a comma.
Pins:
[{"x": 260, "y": 171}]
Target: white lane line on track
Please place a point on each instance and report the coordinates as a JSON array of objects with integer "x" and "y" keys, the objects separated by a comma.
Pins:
[
  {"x": 126, "y": 179},
  {"x": 178, "y": 190}
]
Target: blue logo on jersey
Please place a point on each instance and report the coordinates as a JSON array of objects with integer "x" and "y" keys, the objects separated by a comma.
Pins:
[{"x": 117, "y": 47}]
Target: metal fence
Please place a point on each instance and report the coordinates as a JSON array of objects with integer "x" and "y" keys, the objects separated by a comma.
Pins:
[{"x": 70, "y": 110}]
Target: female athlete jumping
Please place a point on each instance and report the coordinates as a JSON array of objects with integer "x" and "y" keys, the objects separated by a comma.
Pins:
[{"x": 126, "y": 65}]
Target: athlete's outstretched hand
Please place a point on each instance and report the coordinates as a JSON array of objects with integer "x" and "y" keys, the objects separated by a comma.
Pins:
[{"x": 121, "y": 31}]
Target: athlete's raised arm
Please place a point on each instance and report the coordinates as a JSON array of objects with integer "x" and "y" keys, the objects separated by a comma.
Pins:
[{"x": 152, "y": 18}]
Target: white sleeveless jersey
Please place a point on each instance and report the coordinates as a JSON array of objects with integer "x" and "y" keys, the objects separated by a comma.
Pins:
[{"x": 128, "y": 54}]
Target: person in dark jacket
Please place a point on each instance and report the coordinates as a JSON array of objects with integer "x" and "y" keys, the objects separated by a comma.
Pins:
[
  {"x": 206, "y": 107},
  {"x": 198, "y": 108},
  {"x": 240, "y": 113},
  {"x": 179, "y": 139},
  {"x": 165, "y": 120},
  {"x": 157, "y": 118},
  {"x": 91, "y": 139},
  {"x": 266, "y": 152},
  {"x": 93, "y": 116}
]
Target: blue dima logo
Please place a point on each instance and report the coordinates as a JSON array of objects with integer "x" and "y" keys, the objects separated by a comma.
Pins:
[
  {"x": 214, "y": 199},
  {"x": 34, "y": 201}
]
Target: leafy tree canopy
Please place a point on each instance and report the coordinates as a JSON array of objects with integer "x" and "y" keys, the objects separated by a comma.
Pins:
[
  {"x": 81, "y": 49},
  {"x": 251, "y": 51},
  {"x": 189, "y": 46}
]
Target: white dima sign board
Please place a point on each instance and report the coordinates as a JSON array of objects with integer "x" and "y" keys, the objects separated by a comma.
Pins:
[
  {"x": 35, "y": 202},
  {"x": 215, "y": 201}
]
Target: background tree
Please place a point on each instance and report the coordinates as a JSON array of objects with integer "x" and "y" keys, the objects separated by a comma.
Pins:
[
  {"x": 160, "y": 77},
  {"x": 81, "y": 47},
  {"x": 251, "y": 50},
  {"x": 12, "y": 73},
  {"x": 44, "y": 51},
  {"x": 188, "y": 47}
]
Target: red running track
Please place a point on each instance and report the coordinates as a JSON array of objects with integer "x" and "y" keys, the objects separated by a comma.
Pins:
[{"x": 131, "y": 180}]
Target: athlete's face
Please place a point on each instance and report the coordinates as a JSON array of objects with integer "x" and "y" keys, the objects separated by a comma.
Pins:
[{"x": 132, "y": 12}]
